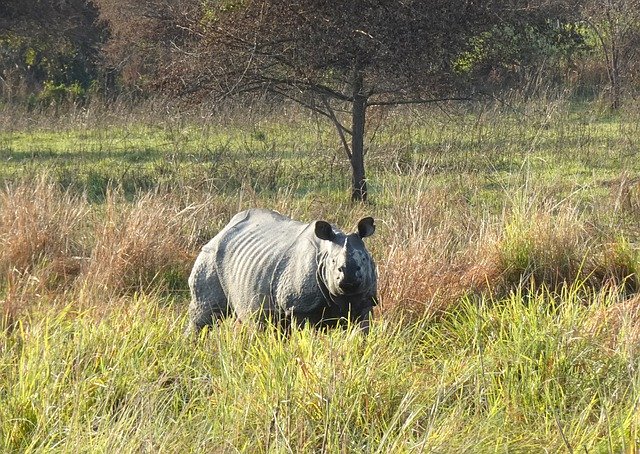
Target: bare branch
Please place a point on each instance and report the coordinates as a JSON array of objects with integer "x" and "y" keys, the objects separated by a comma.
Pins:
[
  {"x": 341, "y": 129},
  {"x": 286, "y": 95},
  {"x": 398, "y": 102},
  {"x": 307, "y": 85}
]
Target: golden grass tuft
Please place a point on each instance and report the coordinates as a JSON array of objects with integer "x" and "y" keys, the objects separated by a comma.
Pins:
[
  {"x": 426, "y": 253},
  {"x": 140, "y": 246},
  {"x": 56, "y": 244},
  {"x": 615, "y": 263},
  {"x": 40, "y": 223},
  {"x": 535, "y": 244},
  {"x": 617, "y": 325}
]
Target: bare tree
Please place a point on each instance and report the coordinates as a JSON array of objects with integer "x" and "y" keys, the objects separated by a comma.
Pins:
[
  {"x": 616, "y": 25},
  {"x": 335, "y": 58}
]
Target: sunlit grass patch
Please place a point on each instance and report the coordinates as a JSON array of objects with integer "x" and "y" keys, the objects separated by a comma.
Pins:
[{"x": 515, "y": 374}]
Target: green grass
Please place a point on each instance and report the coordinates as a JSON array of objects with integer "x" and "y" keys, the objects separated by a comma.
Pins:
[
  {"x": 508, "y": 248},
  {"x": 489, "y": 377},
  {"x": 559, "y": 146}
]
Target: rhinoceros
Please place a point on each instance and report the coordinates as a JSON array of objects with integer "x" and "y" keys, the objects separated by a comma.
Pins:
[{"x": 266, "y": 266}]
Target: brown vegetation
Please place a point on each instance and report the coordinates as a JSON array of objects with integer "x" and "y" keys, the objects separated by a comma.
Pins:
[
  {"x": 441, "y": 254},
  {"x": 139, "y": 245},
  {"x": 41, "y": 231},
  {"x": 57, "y": 246},
  {"x": 617, "y": 326},
  {"x": 431, "y": 251}
]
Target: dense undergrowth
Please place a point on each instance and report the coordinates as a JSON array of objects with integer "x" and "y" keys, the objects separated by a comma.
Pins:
[{"x": 507, "y": 246}]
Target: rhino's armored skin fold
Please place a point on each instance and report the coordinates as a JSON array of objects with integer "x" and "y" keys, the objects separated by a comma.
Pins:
[{"x": 266, "y": 266}]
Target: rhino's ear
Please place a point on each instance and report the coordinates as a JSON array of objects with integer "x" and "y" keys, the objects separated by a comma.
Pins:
[
  {"x": 324, "y": 231},
  {"x": 366, "y": 227}
]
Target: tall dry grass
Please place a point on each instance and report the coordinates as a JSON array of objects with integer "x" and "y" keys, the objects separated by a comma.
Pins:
[
  {"x": 138, "y": 246},
  {"x": 40, "y": 242},
  {"x": 56, "y": 246},
  {"x": 40, "y": 224},
  {"x": 433, "y": 247},
  {"x": 429, "y": 244},
  {"x": 439, "y": 249}
]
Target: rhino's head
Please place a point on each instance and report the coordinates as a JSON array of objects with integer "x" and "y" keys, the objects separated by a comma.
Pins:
[{"x": 346, "y": 266}]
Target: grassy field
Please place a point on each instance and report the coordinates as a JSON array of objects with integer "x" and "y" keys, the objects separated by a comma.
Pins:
[{"x": 507, "y": 246}]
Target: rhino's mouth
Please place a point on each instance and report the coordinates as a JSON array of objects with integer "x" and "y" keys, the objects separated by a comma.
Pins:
[
  {"x": 339, "y": 293},
  {"x": 349, "y": 288},
  {"x": 351, "y": 295}
]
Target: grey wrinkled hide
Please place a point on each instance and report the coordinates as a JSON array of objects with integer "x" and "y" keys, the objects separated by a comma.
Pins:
[{"x": 269, "y": 267}]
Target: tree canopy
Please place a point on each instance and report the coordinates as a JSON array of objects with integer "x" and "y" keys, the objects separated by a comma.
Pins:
[
  {"x": 335, "y": 57},
  {"x": 47, "y": 42}
]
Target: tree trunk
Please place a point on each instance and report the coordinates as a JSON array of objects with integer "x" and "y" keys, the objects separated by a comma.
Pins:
[
  {"x": 615, "y": 75},
  {"x": 611, "y": 16},
  {"x": 358, "y": 181}
]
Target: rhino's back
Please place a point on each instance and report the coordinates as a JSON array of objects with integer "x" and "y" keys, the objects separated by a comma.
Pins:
[{"x": 249, "y": 251}]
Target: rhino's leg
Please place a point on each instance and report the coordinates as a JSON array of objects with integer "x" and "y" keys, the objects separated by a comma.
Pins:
[
  {"x": 320, "y": 318},
  {"x": 364, "y": 319},
  {"x": 208, "y": 300}
]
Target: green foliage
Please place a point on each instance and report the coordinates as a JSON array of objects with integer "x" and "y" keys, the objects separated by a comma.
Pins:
[
  {"x": 56, "y": 94},
  {"x": 30, "y": 57},
  {"x": 60, "y": 72},
  {"x": 213, "y": 8},
  {"x": 45, "y": 45},
  {"x": 512, "y": 49}
]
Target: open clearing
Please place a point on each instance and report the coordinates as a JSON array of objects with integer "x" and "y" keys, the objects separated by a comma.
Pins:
[{"x": 507, "y": 246}]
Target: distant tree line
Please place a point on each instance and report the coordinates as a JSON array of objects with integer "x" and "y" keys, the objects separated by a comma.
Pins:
[
  {"x": 64, "y": 49},
  {"x": 335, "y": 58}
]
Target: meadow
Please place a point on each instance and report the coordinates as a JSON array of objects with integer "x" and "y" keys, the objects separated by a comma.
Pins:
[{"x": 507, "y": 247}]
